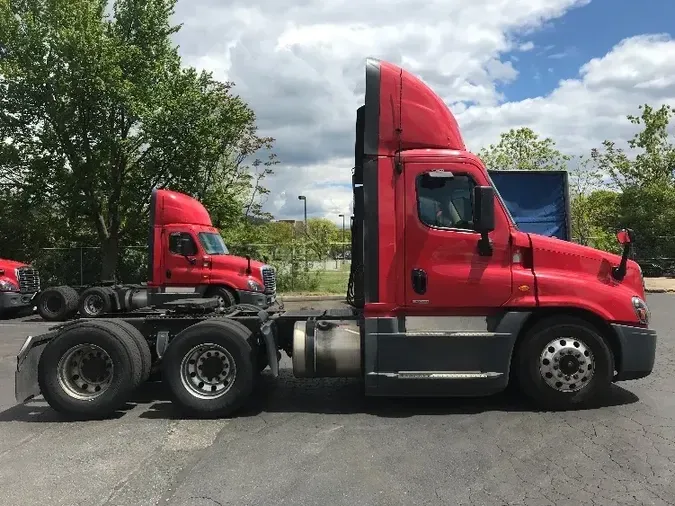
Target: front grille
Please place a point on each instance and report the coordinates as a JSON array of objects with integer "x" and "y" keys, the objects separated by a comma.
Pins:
[
  {"x": 269, "y": 276},
  {"x": 29, "y": 279}
]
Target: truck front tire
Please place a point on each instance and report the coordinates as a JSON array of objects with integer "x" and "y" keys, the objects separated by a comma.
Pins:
[
  {"x": 563, "y": 363},
  {"x": 89, "y": 370},
  {"x": 57, "y": 304},
  {"x": 224, "y": 295},
  {"x": 209, "y": 368}
]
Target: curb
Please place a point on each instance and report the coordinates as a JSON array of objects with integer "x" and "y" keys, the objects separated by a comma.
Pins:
[
  {"x": 660, "y": 290},
  {"x": 308, "y": 298}
]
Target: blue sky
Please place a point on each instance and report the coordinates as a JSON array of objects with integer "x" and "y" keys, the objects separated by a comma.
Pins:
[
  {"x": 565, "y": 44},
  {"x": 300, "y": 65}
]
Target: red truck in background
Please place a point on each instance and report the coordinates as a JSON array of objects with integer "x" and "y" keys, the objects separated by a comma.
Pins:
[
  {"x": 19, "y": 283},
  {"x": 187, "y": 257}
]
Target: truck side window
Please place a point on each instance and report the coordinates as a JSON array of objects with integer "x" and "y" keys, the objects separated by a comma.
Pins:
[
  {"x": 176, "y": 240},
  {"x": 445, "y": 202}
]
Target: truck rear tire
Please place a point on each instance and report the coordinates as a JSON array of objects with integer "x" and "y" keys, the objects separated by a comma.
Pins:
[
  {"x": 89, "y": 370},
  {"x": 141, "y": 344},
  {"x": 95, "y": 301},
  {"x": 563, "y": 363},
  {"x": 210, "y": 368},
  {"x": 58, "y": 303}
]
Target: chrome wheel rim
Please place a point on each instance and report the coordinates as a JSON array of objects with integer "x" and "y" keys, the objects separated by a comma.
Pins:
[
  {"x": 566, "y": 364},
  {"x": 208, "y": 371},
  {"x": 52, "y": 304},
  {"x": 85, "y": 371},
  {"x": 93, "y": 304}
]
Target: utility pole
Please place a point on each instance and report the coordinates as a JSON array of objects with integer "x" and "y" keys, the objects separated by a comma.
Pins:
[{"x": 304, "y": 200}]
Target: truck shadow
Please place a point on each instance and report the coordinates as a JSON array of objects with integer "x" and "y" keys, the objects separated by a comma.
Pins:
[
  {"x": 341, "y": 396},
  {"x": 322, "y": 396}
]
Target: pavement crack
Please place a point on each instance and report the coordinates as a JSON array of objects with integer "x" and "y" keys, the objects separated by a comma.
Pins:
[{"x": 206, "y": 498}]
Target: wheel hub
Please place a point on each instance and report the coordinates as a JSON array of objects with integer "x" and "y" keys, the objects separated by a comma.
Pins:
[
  {"x": 52, "y": 304},
  {"x": 93, "y": 368},
  {"x": 566, "y": 364},
  {"x": 208, "y": 371},
  {"x": 94, "y": 304},
  {"x": 85, "y": 371}
]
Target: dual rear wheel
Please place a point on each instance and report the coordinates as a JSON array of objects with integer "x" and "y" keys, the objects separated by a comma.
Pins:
[{"x": 91, "y": 367}]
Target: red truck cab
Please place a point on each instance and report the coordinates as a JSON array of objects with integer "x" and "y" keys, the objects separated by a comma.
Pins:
[
  {"x": 18, "y": 285},
  {"x": 187, "y": 255},
  {"x": 439, "y": 242}
]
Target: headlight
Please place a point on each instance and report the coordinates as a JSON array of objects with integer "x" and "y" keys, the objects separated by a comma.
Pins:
[
  {"x": 8, "y": 286},
  {"x": 641, "y": 310},
  {"x": 254, "y": 286}
]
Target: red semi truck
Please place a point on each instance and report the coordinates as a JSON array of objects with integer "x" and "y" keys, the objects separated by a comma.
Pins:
[
  {"x": 19, "y": 284},
  {"x": 186, "y": 256},
  {"x": 446, "y": 298}
]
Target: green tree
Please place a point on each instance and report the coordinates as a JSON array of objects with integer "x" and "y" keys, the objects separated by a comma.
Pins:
[
  {"x": 320, "y": 233},
  {"x": 97, "y": 111},
  {"x": 523, "y": 149},
  {"x": 655, "y": 159}
]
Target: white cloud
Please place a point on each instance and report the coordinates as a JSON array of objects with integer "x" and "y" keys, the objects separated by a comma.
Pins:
[
  {"x": 300, "y": 65},
  {"x": 580, "y": 113}
]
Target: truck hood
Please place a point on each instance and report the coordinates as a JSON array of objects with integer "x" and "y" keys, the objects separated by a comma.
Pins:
[
  {"x": 10, "y": 264},
  {"x": 555, "y": 255},
  {"x": 235, "y": 264}
]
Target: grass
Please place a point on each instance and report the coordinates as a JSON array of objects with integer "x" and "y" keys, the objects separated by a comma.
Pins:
[{"x": 330, "y": 283}]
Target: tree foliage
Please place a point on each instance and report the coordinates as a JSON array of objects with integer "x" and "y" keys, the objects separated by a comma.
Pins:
[
  {"x": 523, "y": 149},
  {"x": 654, "y": 162},
  {"x": 613, "y": 187},
  {"x": 97, "y": 111}
]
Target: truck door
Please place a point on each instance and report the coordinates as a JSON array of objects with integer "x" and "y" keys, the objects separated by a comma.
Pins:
[
  {"x": 444, "y": 269},
  {"x": 181, "y": 266}
]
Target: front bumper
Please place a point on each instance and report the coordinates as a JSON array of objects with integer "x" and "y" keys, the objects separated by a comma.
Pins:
[
  {"x": 16, "y": 300},
  {"x": 262, "y": 300},
  {"x": 637, "y": 351}
]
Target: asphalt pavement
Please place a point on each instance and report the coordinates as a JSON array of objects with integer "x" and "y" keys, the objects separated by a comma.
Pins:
[{"x": 320, "y": 442}]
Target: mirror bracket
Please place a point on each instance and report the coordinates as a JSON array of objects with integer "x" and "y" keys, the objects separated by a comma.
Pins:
[
  {"x": 625, "y": 237},
  {"x": 485, "y": 245}
]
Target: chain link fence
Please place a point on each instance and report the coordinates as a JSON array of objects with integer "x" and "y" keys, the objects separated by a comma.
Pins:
[
  {"x": 654, "y": 253},
  {"x": 81, "y": 265},
  {"x": 299, "y": 265}
]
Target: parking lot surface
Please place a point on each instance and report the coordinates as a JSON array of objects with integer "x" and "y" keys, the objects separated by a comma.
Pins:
[{"x": 320, "y": 442}]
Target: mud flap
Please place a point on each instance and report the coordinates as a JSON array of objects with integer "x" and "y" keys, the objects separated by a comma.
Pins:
[
  {"x": 271, "y": 347},
  {"x": 26, "y": 376}
]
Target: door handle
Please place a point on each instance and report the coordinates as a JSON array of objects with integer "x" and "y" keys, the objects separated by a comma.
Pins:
[
  {"x": 168, "y": 274},
  {"x": 419, "y": 281}
]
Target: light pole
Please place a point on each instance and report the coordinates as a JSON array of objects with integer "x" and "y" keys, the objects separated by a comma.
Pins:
[
  {"x": 304, "y": 199},
  {"x": 343, "y": 236},
  {"x": 304, "y": 248}
]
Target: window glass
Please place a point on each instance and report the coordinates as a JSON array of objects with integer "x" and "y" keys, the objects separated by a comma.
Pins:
[
  {"x": 213, "y": 244},
  {"x": 176, "y": 243},
  {"x": 445, "y": 202}
]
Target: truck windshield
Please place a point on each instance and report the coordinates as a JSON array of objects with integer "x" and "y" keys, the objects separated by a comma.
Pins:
[
  {"x": 499, "y": 196},
  {"x": 213, "y": 244}
]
